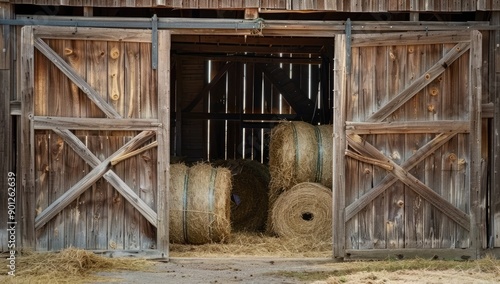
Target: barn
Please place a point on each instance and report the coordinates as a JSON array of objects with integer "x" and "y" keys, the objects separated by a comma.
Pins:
[{"x": 100, "y": 97}]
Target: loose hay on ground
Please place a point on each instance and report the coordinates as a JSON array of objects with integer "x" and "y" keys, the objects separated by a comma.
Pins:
[
  {"x": 68, "y": 266},
  {"x": 256, "y": 245}
]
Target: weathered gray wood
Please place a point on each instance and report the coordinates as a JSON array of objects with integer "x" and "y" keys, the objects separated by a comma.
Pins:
[
  {"x": 163, "y": 138},
  {"x": 131, "y": 197},
  {"x": 81, "y": 123},
  {"x": 494, "y": 87},
  {"x": 88, "y": 180},
  {"x": 81, "y": 33},
  {"x": 399, "y": 254},
  {"x": 407, "y": 127},
  {"x": 353, "y": 208},
  {"x": 403, "y": 175},
  {"x": 367, "y": 160},
  {"x": 340, "y": 144},
  {"x": 411, "y": 38},
  {"x": 431, "y": 74},
  {"x": 26, "y": 182},
  {"x": 475, "y": 97},
  {"x": 75, "y": 78},
  {"x": 110, "y": 176}
]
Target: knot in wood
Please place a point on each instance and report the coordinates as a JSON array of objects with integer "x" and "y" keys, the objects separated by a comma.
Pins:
[
  {"x": 400, "y": 203},
  {"x": 115, "y": 53}
]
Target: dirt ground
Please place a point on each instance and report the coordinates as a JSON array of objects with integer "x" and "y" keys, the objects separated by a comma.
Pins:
[{"x": 279, "y": 270}]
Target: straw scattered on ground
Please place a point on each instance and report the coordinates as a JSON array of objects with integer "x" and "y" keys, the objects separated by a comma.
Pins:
[
  {"x": 258, "y": 245},
  {"x": 68, "y": 266},
  {"x": 485, "y": 270}
]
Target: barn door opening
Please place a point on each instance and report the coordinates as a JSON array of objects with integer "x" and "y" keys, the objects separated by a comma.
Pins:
[
  {"x": 95, "y": 139},
  {"x": 407, "y": 145}
]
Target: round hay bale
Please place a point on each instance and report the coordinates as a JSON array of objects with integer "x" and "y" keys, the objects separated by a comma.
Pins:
[
  {"x": 199, "y": 204},
  {"x": 300, "y": 152},
  {"x": 249, "y": 195},
  {"x": 304, "y": 211}
]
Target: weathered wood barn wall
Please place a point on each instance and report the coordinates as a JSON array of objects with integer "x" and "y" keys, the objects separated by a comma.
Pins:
[{"x": 410, "y": 87}]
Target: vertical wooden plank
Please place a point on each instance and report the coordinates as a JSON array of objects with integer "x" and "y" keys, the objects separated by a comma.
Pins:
[
  {"x": 5, "y": 119},
  {"x": 462, "y": 177},
  {"x": 354, "y": 170},
  {"x": 97, "y": 213},
  {"x": 380, "y": 99},
  {"x": 116, "y": 76},
  {"x": 148, "y": 192},
  {"x": 475, "y": 139},
  {"x": 132, "y": 80},
  {"x": 149, "y": 100},
  {"x": 26, "y": 196},
  {"x": 116, "y": 203},
  {"x": 97, "y": 73},
  {"x": 433, "y": 217},
  {"x": 414, "y": 203},
  {"x": 366, "y": 106},
  {"x": 449, "y": 151},
  {"x": 340, "y": 144},
  {"x": 56, "y": 188},
  {"x": 75, "y": 166},
  {"x": 494, "y": 84},
  {"x": 162, "y": 136},
  {"x": 6, "y": 151},
  {"x": 132, "y": 216},
  {"x": 395, "y": 150},
  {"x": 42, "y": 185},
  {"x": 132, "y": 92}
]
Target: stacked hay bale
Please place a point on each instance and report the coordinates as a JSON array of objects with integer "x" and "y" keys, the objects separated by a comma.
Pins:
[
  {"x": 249, "y": 194},
  {"x": 199, "y": 203},
  {"x": 298, "y": 152}
]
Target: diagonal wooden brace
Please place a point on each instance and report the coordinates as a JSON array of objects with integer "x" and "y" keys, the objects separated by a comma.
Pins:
[
  {"x": 420, "y": 83},
  {"x": 79, "y": 81},
  {"x": 76, "y": 190},
  {"x": 408, "y": 179},
  {"x": 110, "y": 175}
]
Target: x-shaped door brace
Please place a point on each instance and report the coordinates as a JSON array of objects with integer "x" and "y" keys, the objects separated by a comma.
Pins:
[
  {"x": 100, "y": 168},
  {"x": 402, "y": 173},
  {"x": 369, "y": 154}
]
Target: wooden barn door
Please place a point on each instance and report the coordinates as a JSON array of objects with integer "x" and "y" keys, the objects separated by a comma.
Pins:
[
  {"x": 407, "y": 141},
  {"x": 95, "y": 139}
]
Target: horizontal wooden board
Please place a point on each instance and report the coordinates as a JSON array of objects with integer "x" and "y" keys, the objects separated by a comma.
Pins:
[{"x": 290, "y": 5}]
